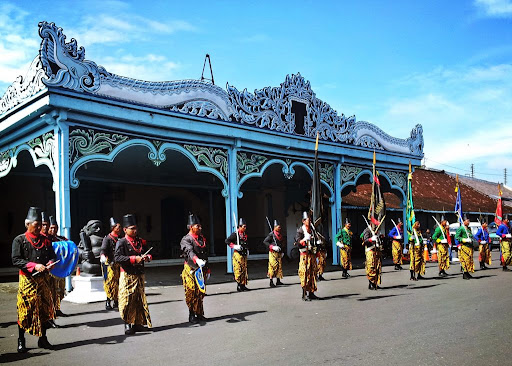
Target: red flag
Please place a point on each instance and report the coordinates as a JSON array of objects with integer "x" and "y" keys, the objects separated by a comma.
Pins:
[{"x": 499, "y": 213}]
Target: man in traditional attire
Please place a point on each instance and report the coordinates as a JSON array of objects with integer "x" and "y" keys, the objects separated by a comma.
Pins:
[
  {"x": 465, "y": 239},
  {"x": 397, "y": 235},
  {"x": 59, "y": 284},
  {"x": 32, "y": 253},
  {"x": 306, "y": 240},
  {"x": 503, "y": 233},
  {"x": 482, "y": 236},
  {"x": 108, "y": 264},
  {"x": 344, "y": 242},
  {"x": 238, "y": 242},
  {"x": 417, "y": 263},
  {"x": 45, "y": 223},
  {"x": 441, "y": 237},
  {"x": 195, "y": 253},
  {"x": 373, "y": 253},
  {"x": 131, "y": 254},
  {"x": 275, "y": 244}
]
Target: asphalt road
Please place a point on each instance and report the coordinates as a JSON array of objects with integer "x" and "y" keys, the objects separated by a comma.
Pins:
[{"x": 435, "y": 321}]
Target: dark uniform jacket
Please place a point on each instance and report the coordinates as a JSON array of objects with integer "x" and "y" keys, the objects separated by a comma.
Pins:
[
  {"x": 303, "y": 247},
  {"x": 25, "y": 255},
  {"x": 108, "y": 246},
  {"x": 367, "y": 238},
  {"x": 126, "y": 252},
  {"x": 192, "y": 249},
  {"x": 232, "y": 240},
  {"x": 269, "y": 240}
]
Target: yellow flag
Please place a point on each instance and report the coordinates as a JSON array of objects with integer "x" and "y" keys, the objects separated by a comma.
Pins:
[
  {"x": 457, "y": 183},
  {"x": 374, "y": 160},
  {"x": 316, "y": 145}
]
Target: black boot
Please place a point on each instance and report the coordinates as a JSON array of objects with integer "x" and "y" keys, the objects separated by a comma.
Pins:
[
  {"x": 108, "y": 306},
  {"x": 397, "y": 267},
  {"x": 400, "y": 267},
  {"x": 279, "y": 283},
  {"x": 305, "y": 295},
  {"x": 320, "y": 278},
  {"x": 272, "y": 284},
  {"x": 128, "y": 329},
  {"x": 245, "y": 288},
  {"x": 505, "y": 268},
  {"x": 21, "y": 340},
  {"x": 465, "y": 276},
  {"x": 201, "y": 318},
  {"x": 420, "y": 277},
  {"x": 312, "y": 296},
  {"x": 60, "y": 313},
  {"x": 413, "y": 278},
  {"x": 116, "y": 304},
  {"x": 192, "y": 317},
  {"x": 469, "y": 275},
  {"x": 42, "y": 342},
  {"x": 239, "y": 287},
  {"x": 370, "y": 285},
  {"x": 51, "y": 324}
]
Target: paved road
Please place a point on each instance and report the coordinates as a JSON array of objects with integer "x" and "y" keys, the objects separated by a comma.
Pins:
[{"x": 431, "y": 322}]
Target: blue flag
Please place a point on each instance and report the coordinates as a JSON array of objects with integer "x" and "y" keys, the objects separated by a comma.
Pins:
[{"x": 458, "y": 205}]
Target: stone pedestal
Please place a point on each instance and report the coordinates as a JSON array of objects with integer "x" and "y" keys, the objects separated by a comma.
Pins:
[{"x": 86, "y": 290}]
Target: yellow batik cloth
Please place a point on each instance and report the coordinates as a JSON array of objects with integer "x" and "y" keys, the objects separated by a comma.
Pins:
[
  {"x": 485, "y": 254},
  {"x": 275, "y": 265},
  {"x": 417, "y": 262},
  {"x": 443, "y": 256},
  {"x": 240, "y": 268},
  {"x": 58, "y": 286},
  {"x": 35, "y": 302},
  {"x": 307, "y": 272},
  {"x": 321, "y": 262},
  {"x": 397, "y": 250},
  {"x": 111, "y": 284},
  {"x": 346, "y": 257},
  {"x": 193, "y": 296},
  {"x": 466, "y": 259},
  {"x": 505, "y": 252},
  {"x": 133, "y": 305},
  {"x": 374, "y": 266}
]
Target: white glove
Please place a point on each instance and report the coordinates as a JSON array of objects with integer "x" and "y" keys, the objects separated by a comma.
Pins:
[
  {"x": 275, "y": 248},
  {"x": 339, "y": 244},
  {"x": 318, "y": 242},
  {"x": 508, "y": 236},
  {"x": 483, "y": 242},
  {"x": 467, "y": 240},
  {"x": 103, "y": 259},
  {"x": 444, "y": 241},
  {"x": 237, "y": 247},
  {"x": 374, "y": 238},
  {"x": 398, "y": 237},
  {"x": 200, "y": 262},
  {"x": 424, "y": 241}
]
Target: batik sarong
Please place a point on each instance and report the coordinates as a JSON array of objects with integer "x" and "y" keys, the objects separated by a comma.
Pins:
[
  {"x": 321, "y": 262},
  {"x": 133, "y": 305},
  {"x": 485, "y": 254},
  {"x": 275, "y": 265},
  {"x": 417, "y": 262},
  {"x": 373, "y": 266},
  {"x": 193, "y": 296},
  {"x": 397, "y": 249},
  {"x": 240, "y": 268},
  {"x": 443, "y": 257},
  {"x": 58, "y": 286},
  {"x": 111, "y": 284},
  {"x": 35, "y": 302},
  {"x": 307, "y": 271},
  {"x": 346, "y": 258},
  {"x": 505, "y": 253},
  {"x": 466, "y": 259}
]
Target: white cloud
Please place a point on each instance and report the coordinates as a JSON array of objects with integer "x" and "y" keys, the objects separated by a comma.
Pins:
[
  {"x": 495, "y": 8},
  {"x": 149, "y": 67}
]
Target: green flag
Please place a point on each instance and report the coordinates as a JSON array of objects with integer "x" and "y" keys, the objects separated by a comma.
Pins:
[{"x": 409, "y": 214}]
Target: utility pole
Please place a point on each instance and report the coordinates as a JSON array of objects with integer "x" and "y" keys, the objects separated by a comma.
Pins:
[{"x": 472, "y": 170}]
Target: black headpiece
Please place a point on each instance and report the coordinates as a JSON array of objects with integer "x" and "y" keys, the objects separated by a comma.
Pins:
[
  {"x": 347, "y": 221},
  {"x": 276, "y": 222},
  {"x": 129, "y": 220},
  {"x": 484, "y": 222},
  {"x": 44, "y": 217},
  {"x": 241, "y": 222},
  {"x": 34, "y": 214},
  {"x": 193, "y": 220},
  {"x": 52, "y": 221},
  {"x": 113, "y": 222}
]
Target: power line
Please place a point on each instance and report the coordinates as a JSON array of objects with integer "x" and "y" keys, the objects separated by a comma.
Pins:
[{"x": 469, "y": 171}]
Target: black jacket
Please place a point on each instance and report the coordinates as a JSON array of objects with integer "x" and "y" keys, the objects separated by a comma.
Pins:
[
  {"x": 125, "y": 250},
  {"x": 23, "y": 252}
]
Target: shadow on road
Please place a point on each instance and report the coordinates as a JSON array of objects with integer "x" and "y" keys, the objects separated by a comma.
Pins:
[
  {"x": 484, "y": 276},
  {"x": 102, "y": 323},
  {"x": 426, "y": 286},
  {"x": 7, "y": 324},
  {"x": 378, "y": 297},
  {"x": 85, "y": 342},
  {"x": 341, "y": 296},
  {"x": 15, "y": 356},
  {"x": 393, "y": 287},
  {"x": 230, "y": 318}
]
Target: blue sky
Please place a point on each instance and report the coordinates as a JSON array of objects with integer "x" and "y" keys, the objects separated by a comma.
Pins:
[{"x": 444, "y": 64}]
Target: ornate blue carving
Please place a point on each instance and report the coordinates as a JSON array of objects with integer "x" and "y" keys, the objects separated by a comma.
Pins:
[
  {"x": 348, "y": 173},
  {"x": 6, "y": 161},
  {"x": 398, "y": 179},
  {"x": 201, "y": 108},
  {"x": 326, "y": 173},
  {"x": 23, "y": 87},
  {"x": 82, "y": 143},
  {"x": 44, "y": 147},
  {"x": 249, "y": 164},
  {"x": 64, "y": 63},
  {"x": 211, "y": 157}
]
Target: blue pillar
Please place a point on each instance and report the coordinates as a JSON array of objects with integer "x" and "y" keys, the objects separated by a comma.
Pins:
[
  {"x": 61, "y": 181},
  {"x": 336, "y": 213},
  {"x": 231, "y": 200}
]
